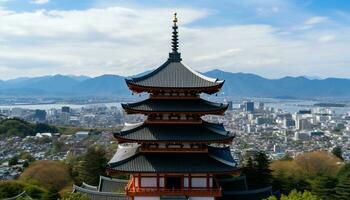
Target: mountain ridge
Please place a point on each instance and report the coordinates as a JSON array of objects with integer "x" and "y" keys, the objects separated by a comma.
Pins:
[{"x": 236, "y": 84}]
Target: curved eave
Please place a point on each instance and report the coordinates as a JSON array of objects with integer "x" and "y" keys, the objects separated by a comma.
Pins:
[
  {"x": 112, "y": 171},
  {"x": 205, "y": 132},
  {"x": 219, "y": 111},
  {"x": 140, "y": 164},
  {"x": 140, "y": 88},
  {"x": 122, "y": 139}
]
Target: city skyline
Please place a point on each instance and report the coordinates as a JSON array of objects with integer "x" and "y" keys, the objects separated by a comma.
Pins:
[{"x": 271, "y": 38}]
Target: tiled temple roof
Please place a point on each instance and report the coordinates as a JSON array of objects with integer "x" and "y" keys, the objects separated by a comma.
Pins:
[
  {"x": 218, "y": 160},
  {"x": 175, "y": 106},
  {"x": 204, "y": 132}
]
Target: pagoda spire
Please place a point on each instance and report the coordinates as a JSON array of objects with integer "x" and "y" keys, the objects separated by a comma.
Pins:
[
  {"x": 175, "y": 55},
  {"x": 175, "y": 43}
]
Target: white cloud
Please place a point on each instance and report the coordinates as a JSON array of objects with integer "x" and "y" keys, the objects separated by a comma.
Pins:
[
  {"x": 127, "y": 40},
  {"x": 316, "y": 20},
  {"x": 326, "y": 38},
  {"x": 39, "y": 1}
]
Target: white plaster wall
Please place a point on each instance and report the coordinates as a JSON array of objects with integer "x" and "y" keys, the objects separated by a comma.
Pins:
[
  {"x": 202, "y": 198},
  {"x": 199, "y": 182},
  {"x": 185, "y": 182},
  {"x": 210, "y": 182},
  {"x": 161, "y": 182},
  {"x": 147, "y": 198},
  {"x": 148, "y": 182}
]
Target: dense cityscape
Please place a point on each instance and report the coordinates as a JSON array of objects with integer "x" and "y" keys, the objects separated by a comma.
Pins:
[
  {"x": 256, "y": 127},
  {"x": 174, "y": 100}
]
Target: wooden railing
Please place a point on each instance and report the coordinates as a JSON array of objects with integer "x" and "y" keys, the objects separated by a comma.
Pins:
[
  {"x": 182, "y": 150},
  {"x": 132, "y": 190}
]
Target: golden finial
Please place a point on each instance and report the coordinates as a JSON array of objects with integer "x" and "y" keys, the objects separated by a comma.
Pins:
[{"x": 175, "y": 18}]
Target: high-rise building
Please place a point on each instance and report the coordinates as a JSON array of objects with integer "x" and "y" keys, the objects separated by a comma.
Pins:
[
  {"x": 288, "y": 122},
  {"x": 303, "y": 124},
  {"x": 261, "y": 106},
  {"x": 40, "y": 115},
  {"x": 230, "y": 105},
  {"x": 249, "y": 106},
  {"x": 65, "y": 109}
]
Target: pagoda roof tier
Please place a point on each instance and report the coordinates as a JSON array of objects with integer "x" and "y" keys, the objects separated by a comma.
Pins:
[
  {"x": 173, "y": 75},
  {"x": 216, "y": 161},
  {"x": 145, "y": 132},
  {"x": 193, "y": 106}
]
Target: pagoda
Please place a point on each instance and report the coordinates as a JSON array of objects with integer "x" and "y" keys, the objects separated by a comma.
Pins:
[{"x": 174, "y": 153}]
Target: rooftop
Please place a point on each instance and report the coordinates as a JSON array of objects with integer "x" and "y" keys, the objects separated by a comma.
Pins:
[
  {"x": 175, "y": 106},
  {"x": 218, "y": 160},
  {"x": 205, "y": 132}
]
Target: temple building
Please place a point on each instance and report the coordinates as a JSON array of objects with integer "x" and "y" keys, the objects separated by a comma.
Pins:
[{"x": 174, "y": 153}]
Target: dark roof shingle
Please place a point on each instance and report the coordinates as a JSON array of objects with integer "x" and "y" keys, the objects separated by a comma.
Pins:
[
  {"x": 176, "y": 163},
  {"x": 175, "y": 75},
  {"x": 175, "y": 105},
  {"x": 175, "y": 132}
]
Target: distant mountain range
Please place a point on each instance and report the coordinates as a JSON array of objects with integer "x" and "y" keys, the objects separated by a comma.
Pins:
[{"x": 236, "y": 84}]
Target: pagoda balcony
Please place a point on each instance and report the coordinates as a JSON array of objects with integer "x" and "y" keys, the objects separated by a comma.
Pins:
[
  {"x": 180, "y": 150},
  {"x": 133, "y": 190}
]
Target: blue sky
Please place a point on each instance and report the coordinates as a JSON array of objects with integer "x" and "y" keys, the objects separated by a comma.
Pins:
[{"x": 272, "y": 38}]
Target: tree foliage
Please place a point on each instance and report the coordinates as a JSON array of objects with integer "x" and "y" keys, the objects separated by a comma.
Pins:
[
  {"x": 13, "y": 161},
  {"x": 92, "y": 165},
  {"x": 324, "y": 187},
  {"x": 295, "y": 195},
  {"x": 299, "y": 173},
  {"x": 75, "y": 196},
  {"x": 257, "y": 171},
  {"x": 51, "y": 194},
  {"x": 13, "y": 188},
  {"x": 343, "y": 187},
  {"x": 337, "y": 151},
  {"x": 48, "y": 174},
  {"x": 21, "y": 128}
]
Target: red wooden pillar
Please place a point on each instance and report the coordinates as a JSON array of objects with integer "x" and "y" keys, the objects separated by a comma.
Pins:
[{"x": 139, "y": 180}]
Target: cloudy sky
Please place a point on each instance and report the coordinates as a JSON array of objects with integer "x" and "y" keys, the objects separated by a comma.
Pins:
[{"x": 272, "y": 38}]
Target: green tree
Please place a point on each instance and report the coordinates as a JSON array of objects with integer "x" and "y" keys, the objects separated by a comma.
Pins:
[
  {"x": 58, "y": 146},
  {"x": 13, "y": 188},
  {"x": 13, "y": 161},
  {"x": 42, "y": 128},
  {"x": 343, "y": 187},
  {"x": 51, "y": 194},
  {"x": 324, "y": 187},
  {"x": 16, "y": 127},
  {"x": 257, "y": 171},
  {"x": 75, "y": 196},
  {"x": 93, "y": 165},
  {"x": 345, "y": 169},
  {"x": 295, "y": 195},
  {"x": 27, "y": 156},
  {"x": 262, "y": 164},
  {"x": 337, "y": 151}
]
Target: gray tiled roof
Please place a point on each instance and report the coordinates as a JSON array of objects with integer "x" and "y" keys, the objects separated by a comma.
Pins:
[
  {"x": 97, "y": 195},
  {"x": 23, "y": 195},
  {"x": 111, "y": 184},
  {"x": 175, "y": 132},
  {"x": 174, "y": 75},
  {"x": 175, "y": 105},
  {"x": 177, "y": 163}
]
